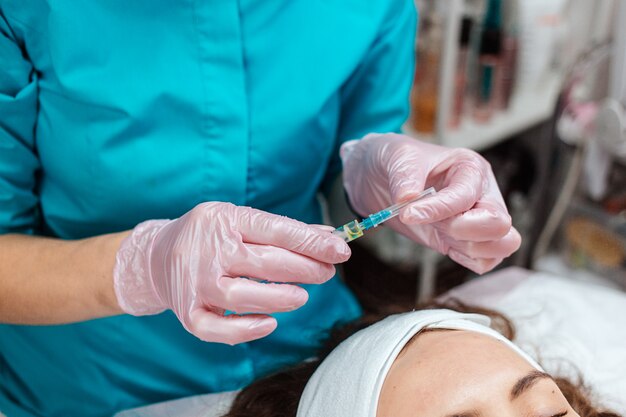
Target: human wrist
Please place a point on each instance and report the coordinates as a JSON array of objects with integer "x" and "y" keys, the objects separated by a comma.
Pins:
[{"x": 132, "y": 277}]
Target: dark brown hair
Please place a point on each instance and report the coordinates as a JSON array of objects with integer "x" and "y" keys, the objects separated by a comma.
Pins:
[{"x": 278, "y": 395}]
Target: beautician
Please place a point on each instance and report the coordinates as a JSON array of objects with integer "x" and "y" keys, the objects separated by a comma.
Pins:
[{"x": 159, "y": 166}]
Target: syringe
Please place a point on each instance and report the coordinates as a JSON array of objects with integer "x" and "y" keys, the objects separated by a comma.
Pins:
[{"x": 354, "y": 229}]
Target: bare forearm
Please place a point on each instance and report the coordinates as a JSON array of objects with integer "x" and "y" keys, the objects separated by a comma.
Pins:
[{"x": 51, "y": 281}]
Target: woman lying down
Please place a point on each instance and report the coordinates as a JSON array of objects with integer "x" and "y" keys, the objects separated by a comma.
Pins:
[{"x": 437, "y": 362}]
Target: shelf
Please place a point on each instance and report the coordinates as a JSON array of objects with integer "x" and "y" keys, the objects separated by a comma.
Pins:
[{"x": 528, "y": 109}]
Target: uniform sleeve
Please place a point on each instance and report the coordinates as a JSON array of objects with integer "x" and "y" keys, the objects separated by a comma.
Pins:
[
  {"x": 18, "y": 111},
  {"x": 376, "y": 97}
]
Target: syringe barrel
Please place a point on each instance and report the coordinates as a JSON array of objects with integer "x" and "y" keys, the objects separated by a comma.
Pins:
[
  {"x": 354, "y": 229},
  {"x": 375, "y": 219}
]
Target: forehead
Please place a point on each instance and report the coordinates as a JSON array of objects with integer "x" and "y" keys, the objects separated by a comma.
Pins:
[
  {"x": 443, "y": 369},
  {"x": 462, "y": 351}
]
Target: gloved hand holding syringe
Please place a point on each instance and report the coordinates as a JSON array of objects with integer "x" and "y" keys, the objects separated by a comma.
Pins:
[{"x": 354, "y": 229}]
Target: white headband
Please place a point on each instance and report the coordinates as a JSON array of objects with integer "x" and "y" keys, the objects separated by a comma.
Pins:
[{"x": 348, "y": 382}]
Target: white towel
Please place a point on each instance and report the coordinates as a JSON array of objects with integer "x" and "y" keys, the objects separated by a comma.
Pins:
[{"x": 349, "y": 380}]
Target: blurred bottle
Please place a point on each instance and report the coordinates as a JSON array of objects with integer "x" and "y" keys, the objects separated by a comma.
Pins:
[
  {"x": 510, "y": 47},
  {"x": 489, "y": 63},
  {"x": 541, "y": 27},
  {"x": 461, "y": 75},
  {"x": 477, "y": 10},
  {"x": 424, "y": 96}
]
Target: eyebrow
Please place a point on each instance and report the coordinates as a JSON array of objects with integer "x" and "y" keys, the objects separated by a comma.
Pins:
[
  {"x": 521, "y": 386},
  {"x": 527, "y": 382}
]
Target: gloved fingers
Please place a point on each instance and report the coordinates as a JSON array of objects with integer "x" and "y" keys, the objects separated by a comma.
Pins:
[
  {"x": 495, "y": 249},
  {"x": 464, "y": 187},
  {"x": 492, "y": 192},
  {"x": 483, "y": 223},
  {"x": 233, "y": 329},
  {"x": 279, "y": 265},
  {"x": 478, "y": 265},
  {"x": 424, "y": 234},
  {"x": 488, "y": 220},
  {"x": 348, "y": 147},
  {"x": 323, "y": 227},
  {"x": 243, "y": 295},
  {"x": 407, "y": 174},
  {"x": 264, "y": 228}
]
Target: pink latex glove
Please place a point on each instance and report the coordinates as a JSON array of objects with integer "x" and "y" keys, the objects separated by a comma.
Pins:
[
  {"x": 467, "y": 219},
  {"x": 207, "y": 261}
]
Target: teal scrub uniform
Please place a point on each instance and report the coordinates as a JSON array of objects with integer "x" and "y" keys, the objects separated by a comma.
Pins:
[{"x": 113, "y": 112}]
